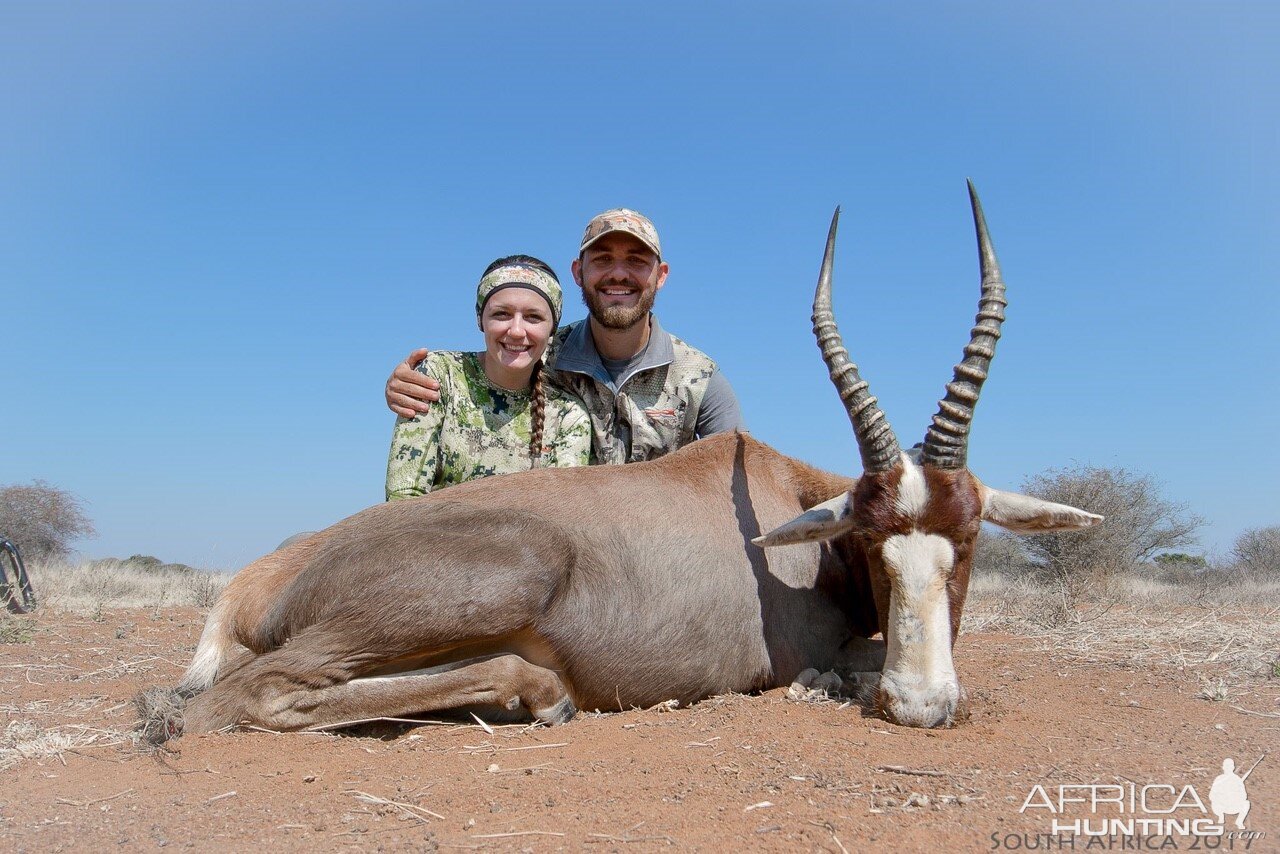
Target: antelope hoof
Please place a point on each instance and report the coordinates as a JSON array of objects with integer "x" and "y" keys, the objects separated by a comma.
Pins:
[
  {"x": 812, "y": 685},
  {"x": 801, "y": 683},
  {"x": 561, "y": 713},
  {"x": 829, "y": 682}
]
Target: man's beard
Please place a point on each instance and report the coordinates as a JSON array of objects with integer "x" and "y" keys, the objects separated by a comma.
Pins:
[{"x": 619, "y": 316}]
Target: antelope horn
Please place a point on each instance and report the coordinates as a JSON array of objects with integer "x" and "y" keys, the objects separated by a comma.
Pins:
[
  {"x": 946, "y": 442},
  {"x": 876, "y": 442}
]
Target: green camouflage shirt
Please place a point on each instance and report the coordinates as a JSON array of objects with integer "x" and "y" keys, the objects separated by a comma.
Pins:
[{"x": 477, "y": 430}]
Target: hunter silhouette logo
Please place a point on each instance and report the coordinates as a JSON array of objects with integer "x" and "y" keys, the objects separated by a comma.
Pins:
[
  {"x": 1227, "y": 796},
  {"x": 1133, "y": 810}
]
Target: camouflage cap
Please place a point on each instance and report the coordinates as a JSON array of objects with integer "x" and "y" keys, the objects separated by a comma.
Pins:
[
  {"x": 520, "y": 276},
  {"x": 624, "y": 220}
]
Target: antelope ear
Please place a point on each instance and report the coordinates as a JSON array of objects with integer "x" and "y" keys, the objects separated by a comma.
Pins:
[
  {"x": 822, "y": 522},
  {"x": 1027, "y": 515}
]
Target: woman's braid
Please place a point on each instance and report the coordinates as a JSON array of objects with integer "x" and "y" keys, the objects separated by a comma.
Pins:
[{"x": 537, "y": 416}]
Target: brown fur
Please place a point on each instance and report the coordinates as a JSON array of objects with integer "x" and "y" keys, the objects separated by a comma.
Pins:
[
  {"x": 954, "y": 512},
  {"x": 632, "y": 600},
  {"x": 253, "y": 593}
]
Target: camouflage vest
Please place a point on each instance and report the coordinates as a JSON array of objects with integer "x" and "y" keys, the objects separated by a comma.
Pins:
[{"x": 655, "y": 410}]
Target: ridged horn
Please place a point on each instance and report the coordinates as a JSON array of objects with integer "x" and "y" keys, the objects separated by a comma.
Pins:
[
  {"x": 946, "y": 442},
  {"x": 876, "y": 441}
]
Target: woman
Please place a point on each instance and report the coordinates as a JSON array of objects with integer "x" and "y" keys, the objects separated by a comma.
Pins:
[{"x": 495, "y": 414}]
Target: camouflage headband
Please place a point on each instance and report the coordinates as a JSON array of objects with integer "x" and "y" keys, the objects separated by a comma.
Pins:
[{"x": 520, "y": 276}]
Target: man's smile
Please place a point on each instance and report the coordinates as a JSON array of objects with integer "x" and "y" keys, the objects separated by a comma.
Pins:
[{"x": 618, "y": 291}]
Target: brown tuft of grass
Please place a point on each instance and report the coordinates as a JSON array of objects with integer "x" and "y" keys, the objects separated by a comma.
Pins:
[
  {"x": 1214, "y": 690},
  {"x": 160, "y": 714},
  {"x": 16, "y": 629}
]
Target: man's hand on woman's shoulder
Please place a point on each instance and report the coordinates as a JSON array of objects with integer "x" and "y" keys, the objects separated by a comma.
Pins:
[{"x": 409, "y": 391}]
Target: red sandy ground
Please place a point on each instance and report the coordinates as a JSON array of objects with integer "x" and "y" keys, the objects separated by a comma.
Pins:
[{"x": 737, "y": 772}]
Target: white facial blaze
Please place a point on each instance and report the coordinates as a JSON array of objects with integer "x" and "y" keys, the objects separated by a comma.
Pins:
[
  {"x": 913, "y": 492},
  {"x": 919, "y": 682}
]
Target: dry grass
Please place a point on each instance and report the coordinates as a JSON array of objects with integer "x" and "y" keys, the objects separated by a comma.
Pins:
[
  {"x": 1225, "y": 635},
  {"x": 1144, "y": 587},
  {"x": 46, "y": 729},
  {"x": 91, "y": 587},
  {"x": 29, "y": 740}
]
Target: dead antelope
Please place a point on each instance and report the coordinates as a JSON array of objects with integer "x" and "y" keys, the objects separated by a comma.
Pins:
[{"x": 612, "y": 587}]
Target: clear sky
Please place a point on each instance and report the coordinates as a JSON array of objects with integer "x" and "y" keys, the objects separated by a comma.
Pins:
[{"x": 221, "y": 224}]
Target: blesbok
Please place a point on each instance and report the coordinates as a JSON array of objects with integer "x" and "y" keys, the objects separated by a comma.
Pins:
[{"x": 613, "y": 587}]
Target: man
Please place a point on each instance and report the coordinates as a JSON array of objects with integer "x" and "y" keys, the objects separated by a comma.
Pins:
[{"x": 647, "y": 391}]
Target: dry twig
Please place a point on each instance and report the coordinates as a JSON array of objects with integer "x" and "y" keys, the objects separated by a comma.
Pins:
[
  {"x": 826, "y": 825},
  {"x": 627, "y": 837},
  {"x": 95, "y": 800},
  {"x": 325, "y": 728},
  {"x": 468, "y": 749},
  {"x": 516, "y": 833},
  {"x": 914, "y": 772},
  {"x": 410, "y": 810}
]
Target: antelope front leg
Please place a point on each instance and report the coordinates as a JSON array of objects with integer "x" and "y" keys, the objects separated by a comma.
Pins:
[
  {"x": 504, "y": 681},
  {"x": 861, "y": 655}
]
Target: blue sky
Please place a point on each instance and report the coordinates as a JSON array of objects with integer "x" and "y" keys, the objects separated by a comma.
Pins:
[{"x": 221, "y": 224}]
